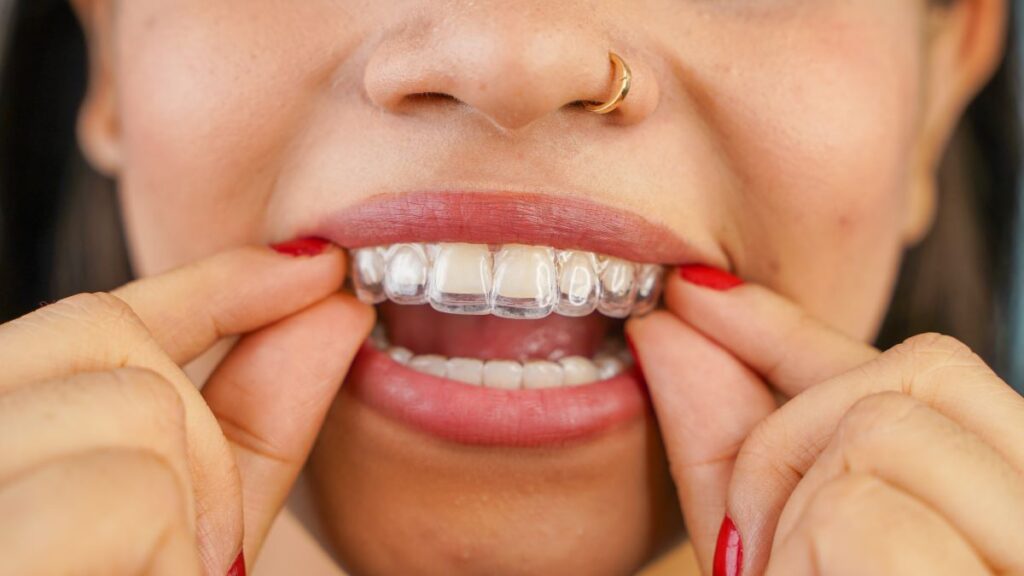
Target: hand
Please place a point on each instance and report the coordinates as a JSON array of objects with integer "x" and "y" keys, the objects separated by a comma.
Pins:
[
  {"x": 909, "y": 461},
  {"x": 112, "y": 462}
]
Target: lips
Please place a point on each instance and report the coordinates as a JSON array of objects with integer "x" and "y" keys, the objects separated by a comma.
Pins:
[{"x": 483, "y": 398}]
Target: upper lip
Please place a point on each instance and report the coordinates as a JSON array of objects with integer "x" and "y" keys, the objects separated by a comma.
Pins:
[{"x": 483, "y": 217}]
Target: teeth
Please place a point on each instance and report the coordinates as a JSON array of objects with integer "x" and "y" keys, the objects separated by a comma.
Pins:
[
  {"x": 542, "y": 374},
  {"x": 578, "y": 284},
  {"x": 368, "y": 274},
  {"x": 608, "y": 366},
  {"x": 648, "y": 289},
  {"x": 512, "y": 375},
  {"x": 512, "y": 281},
  {"x": 430, "y": 364},
  {"x": 462, "y": 279},
  {"x": 405, "y": 280},
  {"x": 618, "y": 289},
  {"x": 578, "y": 370},
  {"x": 524, "y": 282},
  {"x": 399, "y": 354},
  {"x": 504, "y": 374},
  {"x": 468, "y": 370}
]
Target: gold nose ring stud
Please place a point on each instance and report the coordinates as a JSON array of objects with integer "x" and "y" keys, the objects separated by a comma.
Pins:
[{"x": 623, "y": 80}]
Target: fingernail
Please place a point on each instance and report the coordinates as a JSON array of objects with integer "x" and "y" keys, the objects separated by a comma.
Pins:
[
  {"x": 709, "y": 277},
  {"x": 636, "y": 357},
  {"x": 301, "y": 247},
  {"x": 238, "y": 568},
  {"x": 729, "y": 550}
]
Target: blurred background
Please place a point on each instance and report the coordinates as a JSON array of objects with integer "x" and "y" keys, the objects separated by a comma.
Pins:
[{"x": 1017, "y": 355}]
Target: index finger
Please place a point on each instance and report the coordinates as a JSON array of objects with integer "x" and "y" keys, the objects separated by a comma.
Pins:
[
  {"x": 791, "y": 349},
  {"x": 188, "y": 309}
]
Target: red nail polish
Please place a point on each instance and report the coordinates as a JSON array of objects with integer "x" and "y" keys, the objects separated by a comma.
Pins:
[
  {"x": 301, "y": 247},
  {"x": 238, "y": 568},
  {"x": 709, "y": 277},
  {"x": 729, "y": 550}
]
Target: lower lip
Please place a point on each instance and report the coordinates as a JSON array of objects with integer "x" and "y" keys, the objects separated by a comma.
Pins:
[{"x": 484, "y": 416}]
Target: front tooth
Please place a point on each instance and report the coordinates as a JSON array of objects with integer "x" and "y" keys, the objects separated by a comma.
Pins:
[
  {"x": 405, "y": 281},
  {"x": 542, "y": 374},
  {"x": 400, "y": 354},
  {"x": 578, "y": 284},
  {"x": 524, "y": 282},
  {"x": 430, "y": 364},
  {"x": 578, "y": 370},
  {"x": 461, "y": 281},
  {"x": 648, "y": 289},
  {"x": 468, "y": 370},
  {"x": 504, "y": 374},
  {"x": 608, "y": 366},
  {"x": 368, "y": 275},
  {"x": 617, "y": 288}
]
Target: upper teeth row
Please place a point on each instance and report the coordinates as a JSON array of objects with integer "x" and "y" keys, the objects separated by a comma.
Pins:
[{"x": 511, "y": 281}]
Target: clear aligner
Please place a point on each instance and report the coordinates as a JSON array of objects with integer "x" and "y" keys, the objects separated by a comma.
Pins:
[{"x": 510, "y": 281}]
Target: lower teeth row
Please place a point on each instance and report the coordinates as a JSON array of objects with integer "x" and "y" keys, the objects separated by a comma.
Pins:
[{"x": 512, "y": 375}]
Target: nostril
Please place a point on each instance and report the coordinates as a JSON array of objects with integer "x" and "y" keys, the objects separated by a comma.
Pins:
[{"x": 427, "y": 96}]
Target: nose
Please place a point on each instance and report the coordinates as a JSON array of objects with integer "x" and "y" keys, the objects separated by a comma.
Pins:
[{"x": 512, "y": 62}]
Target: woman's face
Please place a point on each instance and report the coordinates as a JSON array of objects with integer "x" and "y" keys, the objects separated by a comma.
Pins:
[{"x": 789, "y": 141}]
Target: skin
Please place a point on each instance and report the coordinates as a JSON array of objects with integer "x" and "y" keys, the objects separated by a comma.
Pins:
[{"x": 794, "y": 143}]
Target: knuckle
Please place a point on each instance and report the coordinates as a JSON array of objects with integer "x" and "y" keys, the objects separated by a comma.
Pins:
[
  {"x": 932, "y": 349},
  {"x": 152, "y": 388},
  {"x": 839, "y": 500},
  {"x": 759, "y": 455},
  {"x": 872, "y": 419},
  {"x": 100, "y": 309}
]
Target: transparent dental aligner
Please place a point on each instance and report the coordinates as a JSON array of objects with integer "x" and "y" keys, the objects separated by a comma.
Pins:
[
  {"x": 525, "y": 280},
  {"x": 462, "y": 279},
  {"x": 368, "y": 274},
  {"x": 648, "y": 289},
  {"x": 618, "y": 288},
  {"x": 578, "y": 284},
  {"x": 511, "y": 281},
  {"x": 405, "y": 274}
]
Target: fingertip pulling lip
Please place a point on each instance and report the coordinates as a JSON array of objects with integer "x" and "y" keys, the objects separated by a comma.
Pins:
[
  {"x": 475, "y": 415},
  {"x": 481, "y": 217}
]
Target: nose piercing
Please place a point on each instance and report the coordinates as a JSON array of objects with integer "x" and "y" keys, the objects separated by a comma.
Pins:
[{"x": 624, "y": 79}]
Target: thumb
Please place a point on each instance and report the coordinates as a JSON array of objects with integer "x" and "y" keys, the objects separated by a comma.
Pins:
[
  {"x": 706, "y": 402},
  {"x": 271, "y": 394}
]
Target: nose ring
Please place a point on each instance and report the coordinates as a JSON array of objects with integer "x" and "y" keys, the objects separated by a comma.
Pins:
[{"x": 623, "y": 79}]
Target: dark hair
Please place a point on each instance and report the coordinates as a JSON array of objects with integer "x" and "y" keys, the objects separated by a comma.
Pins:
[{"x": 60, "y": 232}]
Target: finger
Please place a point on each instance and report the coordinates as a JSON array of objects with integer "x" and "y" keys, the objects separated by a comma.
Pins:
[
  {"x": 857, "y": 524},
  {"x": 706, "y": 403},
  {"x": 100, "y": 332},
  {"x": 936, "y": 370},
  {"x": 778, "y": 339},
  {"x": 187, "y": 310},
  {"x": 271, "y": 394},
  {"x": 924, "y": 454},
  {"x": 113, "y": 512},
  {"x": 129, "y": 408}
]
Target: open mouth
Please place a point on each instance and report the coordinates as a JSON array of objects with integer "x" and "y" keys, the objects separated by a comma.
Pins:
[
  {"x": 488, "y": 334},
  {"x": 509, "y": 324}
]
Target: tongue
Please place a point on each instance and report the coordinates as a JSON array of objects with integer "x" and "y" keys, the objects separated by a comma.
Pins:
[{"x": 427, "y": 331}]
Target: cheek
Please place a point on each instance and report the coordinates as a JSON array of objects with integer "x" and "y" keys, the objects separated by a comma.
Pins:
[
  {"x": 208, "y": 100},
  {"x": 818, "y": 122}
]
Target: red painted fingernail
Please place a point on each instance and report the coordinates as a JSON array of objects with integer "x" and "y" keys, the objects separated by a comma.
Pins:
[
  {"x": 709, "y": 277},
  {"x": 729, "y": 550},
  {"x": 301, "y": 247},
  {"x": 238, "y": 568}
]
